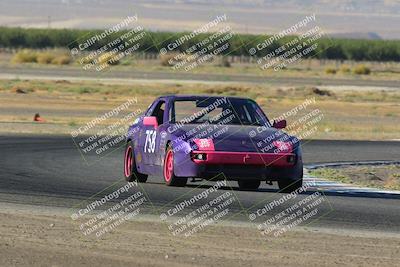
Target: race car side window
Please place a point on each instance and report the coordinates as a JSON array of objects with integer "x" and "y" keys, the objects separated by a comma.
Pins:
[
  {"x": 261, "y": 117},
  {"x": 171, "y": 112},
  {"x": 158, "y": 112},
  {"x": 151, "y": 108}
]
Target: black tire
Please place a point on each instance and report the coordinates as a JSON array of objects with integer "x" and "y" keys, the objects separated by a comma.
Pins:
[
  {"x": 288, "y": 186},
  {"x": 170, "y": 178},
  {"x": 249, "y": 184},
  {"x": 130, "y": 171}
]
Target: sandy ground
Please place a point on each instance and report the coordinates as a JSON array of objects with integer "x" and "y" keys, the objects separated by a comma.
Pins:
[
  {"x": 33, "y": 236},
  {"x": 380, "y": 176}
]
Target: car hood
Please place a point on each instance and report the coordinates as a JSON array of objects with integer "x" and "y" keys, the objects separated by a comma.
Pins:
[{"x": 236, "y": 138}]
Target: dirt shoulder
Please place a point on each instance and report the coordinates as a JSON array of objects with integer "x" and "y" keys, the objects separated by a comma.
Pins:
[
  {"x": 381, "y": 176},
  {"x": 48, "y": 237}
]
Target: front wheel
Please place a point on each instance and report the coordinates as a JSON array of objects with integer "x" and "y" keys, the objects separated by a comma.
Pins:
[
  {"x": 168, "y": 170},
  {"x": 249, "y": 184},
  {"x": 130, "y": 171}
]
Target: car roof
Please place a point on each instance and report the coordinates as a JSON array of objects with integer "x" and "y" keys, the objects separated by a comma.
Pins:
[{"x": 194, "y": 97}]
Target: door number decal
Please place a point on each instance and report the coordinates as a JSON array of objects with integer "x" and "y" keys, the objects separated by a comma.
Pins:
[{"x": 150, "y": 143}]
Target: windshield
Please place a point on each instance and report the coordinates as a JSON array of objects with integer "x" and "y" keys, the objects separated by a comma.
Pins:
[{"x": 218, "y": 111}]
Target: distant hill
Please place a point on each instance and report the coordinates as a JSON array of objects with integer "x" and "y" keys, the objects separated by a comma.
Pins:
[{"x": 348, "y": 18}]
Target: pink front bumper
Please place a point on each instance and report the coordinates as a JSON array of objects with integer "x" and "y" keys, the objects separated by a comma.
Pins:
[{"x": 246, "y": 158}]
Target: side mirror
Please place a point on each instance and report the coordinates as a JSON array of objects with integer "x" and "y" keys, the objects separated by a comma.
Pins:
[
  {"x": 279, "y": 124},
  {"x": 150, "y": 121}
]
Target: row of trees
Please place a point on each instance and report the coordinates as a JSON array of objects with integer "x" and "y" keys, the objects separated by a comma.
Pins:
[{"x": 339, "y": 49}]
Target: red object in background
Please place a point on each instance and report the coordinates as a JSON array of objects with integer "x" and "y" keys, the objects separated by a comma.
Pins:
[{"x": 38, "y": 118}]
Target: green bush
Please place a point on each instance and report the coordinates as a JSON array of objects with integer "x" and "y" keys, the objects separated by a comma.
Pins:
[
  {"x": 61, "y": 60},
  {"x": 345, "y": 69},
  {"x": 44, "y": 58},
  {"x": 109, "y": 57},
  {"x": 330, "y": 71},
  {"x": 30, "y": 56},
  {"x": 361, "y": 70},
  {"x": 25, "y": 56}
]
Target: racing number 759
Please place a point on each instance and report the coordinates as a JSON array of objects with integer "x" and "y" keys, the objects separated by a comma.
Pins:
[{"x": 150, "y": 143}]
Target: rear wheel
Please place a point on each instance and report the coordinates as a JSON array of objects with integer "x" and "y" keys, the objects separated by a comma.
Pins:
[
  {"x": 168, "y": 170},
  {"x": 130, "y": 172},
  {"x": 249, "y": 184},
  {"x": 288, "y": 186}
]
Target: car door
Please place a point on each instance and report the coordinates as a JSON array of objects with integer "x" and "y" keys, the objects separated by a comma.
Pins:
[
  {"x": 162, "y": 136},
  {"x": 151, "y": 136},
  {"x": 142, "y": 138}
]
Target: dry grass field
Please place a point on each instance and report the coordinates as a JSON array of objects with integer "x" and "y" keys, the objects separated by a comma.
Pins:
[{"x": 347, "y": 114}]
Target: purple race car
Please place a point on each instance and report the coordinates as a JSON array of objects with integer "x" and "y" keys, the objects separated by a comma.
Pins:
[{"x": 213, "y": 138}]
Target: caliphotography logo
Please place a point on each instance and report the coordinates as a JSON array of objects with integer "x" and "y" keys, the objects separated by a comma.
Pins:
[{"x": 199, "y": 133}]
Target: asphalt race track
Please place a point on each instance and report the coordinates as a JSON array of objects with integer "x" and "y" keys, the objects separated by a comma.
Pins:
[{"x": 49, "y": 171}]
